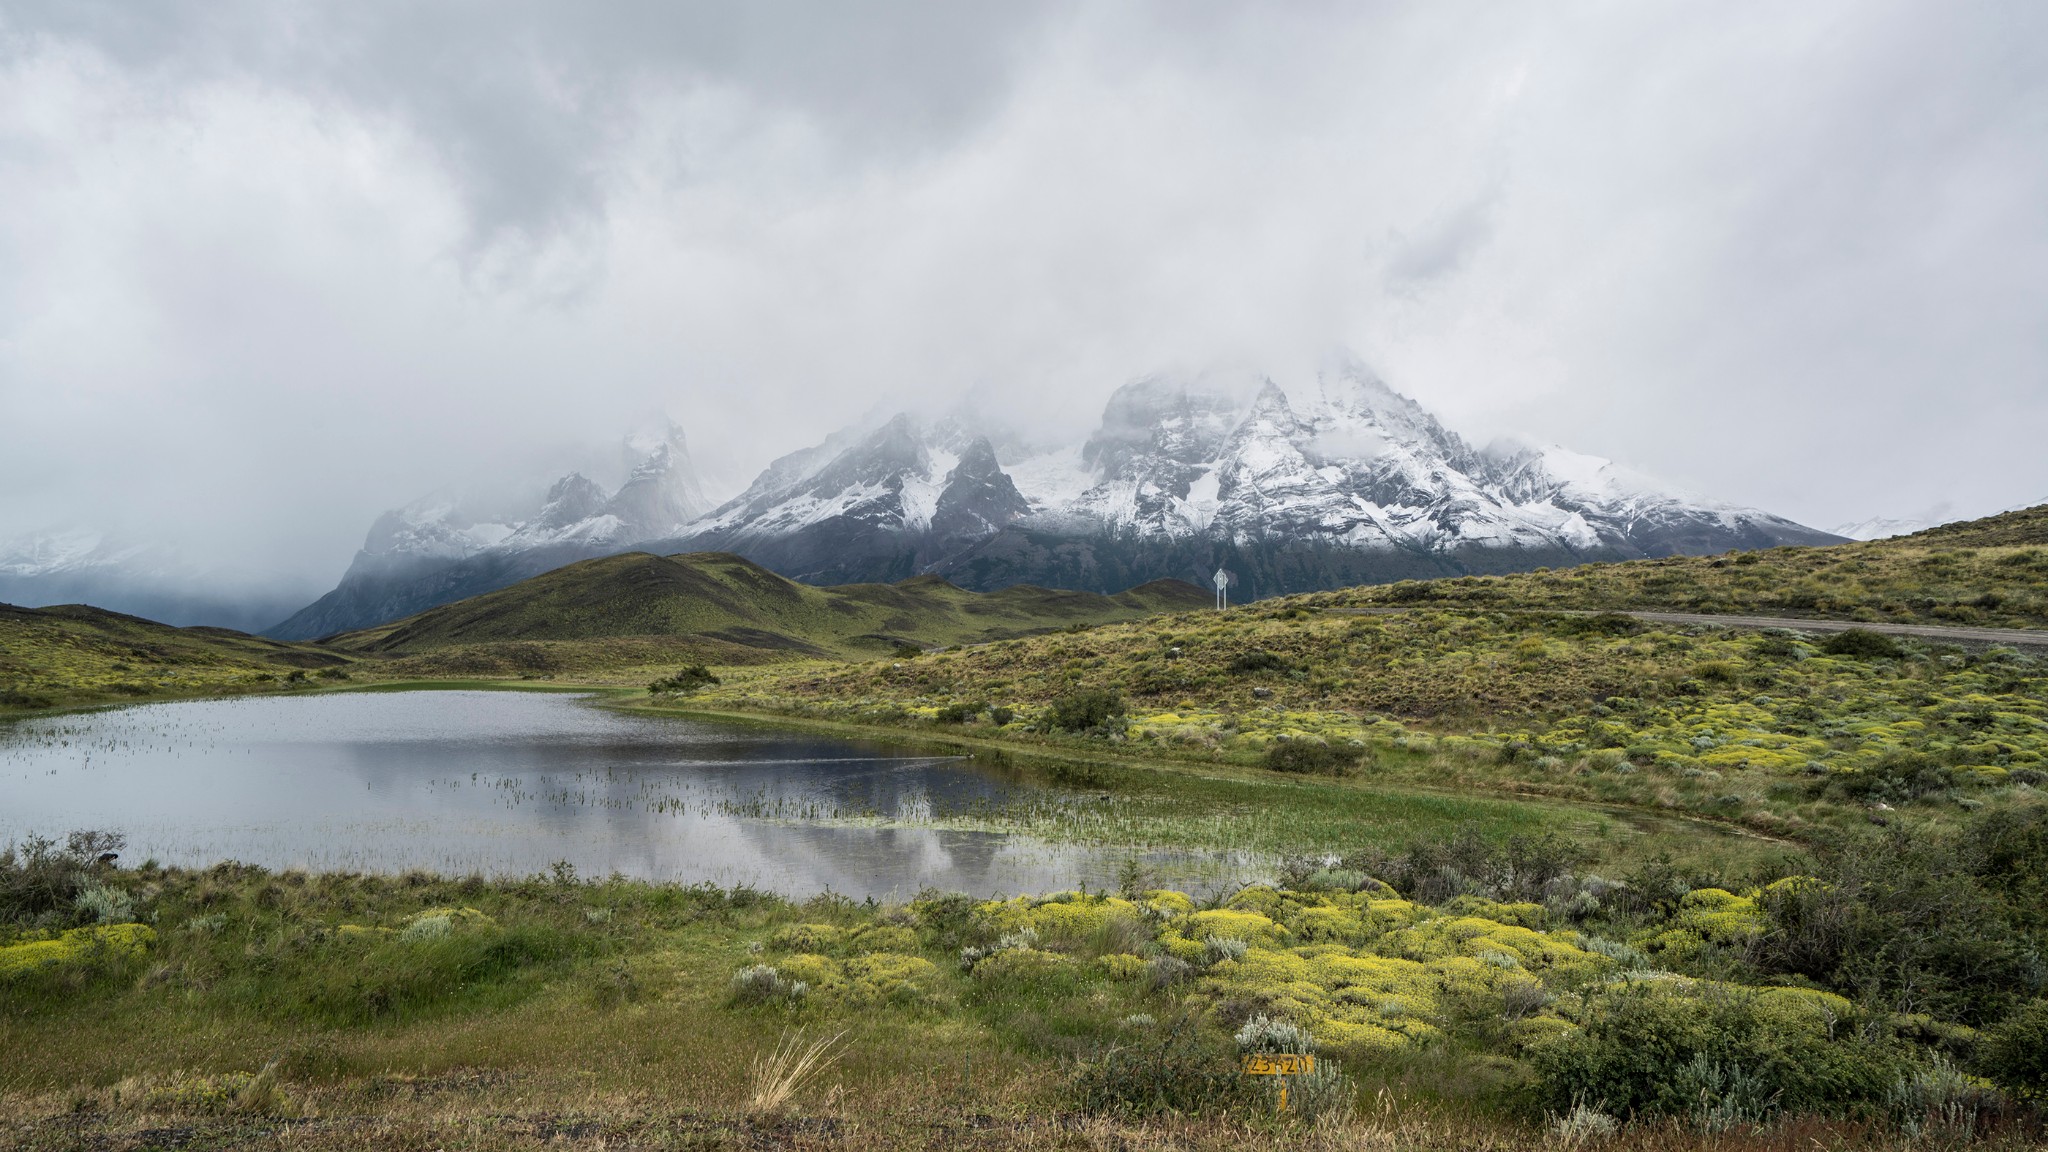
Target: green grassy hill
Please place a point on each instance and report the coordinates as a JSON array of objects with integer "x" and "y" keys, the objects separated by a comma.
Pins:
[
  {"x": 72, "y": 654},
  {"x": 733, "y": 605},
  {"x": 1985, "y": 573}
]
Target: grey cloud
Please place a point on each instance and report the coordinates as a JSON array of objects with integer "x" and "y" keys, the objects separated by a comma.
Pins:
[
  {"x": 523, "y": 99},
  {"x": 269, "y": 269}
]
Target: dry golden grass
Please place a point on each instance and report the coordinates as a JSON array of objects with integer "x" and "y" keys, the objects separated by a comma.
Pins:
[{"x": 781, "y": 1072}]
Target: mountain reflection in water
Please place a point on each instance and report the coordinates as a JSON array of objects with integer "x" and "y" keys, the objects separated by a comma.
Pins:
[{"x": 509, "y": 783}]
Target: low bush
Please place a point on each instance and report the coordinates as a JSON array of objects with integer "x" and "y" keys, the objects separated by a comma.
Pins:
[
  {"x": 1084, "y": 709},
  {"x": 1176, "y": 1069},
  {"x": 763, "y": 984},
  {"x": 960, "y": 713},
  {"x": 42, "y": 881},
  {"x": 689, "y": 678},
  {"x": 1258, "y": 660},
  {"x": 1717, "y": 1054},
  {"x": 2014, "y": 1054},
  {"x": 1862, "y": 644},
  {"x": 1312, "y": 757}
]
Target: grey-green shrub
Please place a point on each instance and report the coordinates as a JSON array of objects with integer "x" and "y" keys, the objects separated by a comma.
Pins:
[
  {"x": 763, "y": 984},
  {"x": 105, "y": 905}
]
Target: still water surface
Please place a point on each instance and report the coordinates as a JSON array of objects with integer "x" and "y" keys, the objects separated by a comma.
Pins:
[{"x": 508, "y": 783}]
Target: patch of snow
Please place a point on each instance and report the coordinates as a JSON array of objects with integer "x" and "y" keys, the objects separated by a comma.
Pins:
[
  {"x": 920, "y": 493},
  {"x": 1052, "y": 479}
]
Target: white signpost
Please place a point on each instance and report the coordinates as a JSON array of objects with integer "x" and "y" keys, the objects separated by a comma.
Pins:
[{"x": 1222, "y": 589}]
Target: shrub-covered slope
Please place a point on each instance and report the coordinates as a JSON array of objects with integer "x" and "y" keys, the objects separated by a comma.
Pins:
[
  {"x": 73, "y": 654},
  {"x": 721, "y": 597},
  {"x": 1991, "y": 572},
  {"x": 1776, "y": 729}
]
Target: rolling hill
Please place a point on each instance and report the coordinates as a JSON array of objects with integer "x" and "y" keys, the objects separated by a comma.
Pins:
[
  {"x": 72, "y": 653},
  {"x": 734, "y": 603}
]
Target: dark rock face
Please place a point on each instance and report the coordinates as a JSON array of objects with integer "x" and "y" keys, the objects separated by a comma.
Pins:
[{"x": 978, "y": 500}]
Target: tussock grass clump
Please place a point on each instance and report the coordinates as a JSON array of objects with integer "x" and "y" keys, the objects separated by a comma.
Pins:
[{"x": 779, "y": 1074}]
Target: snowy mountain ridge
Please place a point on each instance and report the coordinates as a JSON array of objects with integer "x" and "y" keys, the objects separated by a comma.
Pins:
[
  {"x": 1342, "y": 480},
  {"x": 1356, "y": 465}
]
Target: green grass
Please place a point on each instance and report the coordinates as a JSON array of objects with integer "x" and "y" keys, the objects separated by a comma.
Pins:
[{"x": 69, "y": 655}]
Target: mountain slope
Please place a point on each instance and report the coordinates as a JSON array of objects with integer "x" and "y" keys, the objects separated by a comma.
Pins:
[
  {"x": 722, "y": 597},
  {"x": 2020, "y": 528}
]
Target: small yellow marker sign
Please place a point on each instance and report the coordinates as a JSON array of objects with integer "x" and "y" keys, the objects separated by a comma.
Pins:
[{"x": 1281, "y": 1064}]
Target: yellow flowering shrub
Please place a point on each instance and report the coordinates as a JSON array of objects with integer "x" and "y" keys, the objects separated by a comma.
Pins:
[
  {"x": 1704, "y": 916},
  {"x": 1170, "y": 902},
  {"x": 123, "y": 940},
  {"x": 1066, "y": 916},
  {"x": 1231, "y": 924},
  {"x": 870, "y": 978},
  {"x": 1122, "y": 965},
  {"x": 818, "y": 938},
  {"x": 890, "y": 977}
]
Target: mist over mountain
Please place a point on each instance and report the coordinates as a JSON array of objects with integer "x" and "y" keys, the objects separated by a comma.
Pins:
[
  {"x": 1342, "y": 480},
  {"x": 82, "y": 565},
  {"x": 443, "y": 548}
]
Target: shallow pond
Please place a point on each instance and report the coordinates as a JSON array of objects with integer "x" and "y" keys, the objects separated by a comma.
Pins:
[{"x": 509, "y": 783}]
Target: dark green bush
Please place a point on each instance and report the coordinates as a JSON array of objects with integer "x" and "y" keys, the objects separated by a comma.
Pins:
[
  {"x": 1601, "y": 624},
  {"x": 2014, "y": 1054},
  {"x": 1085, "y": 708},
  {"x": 1899, "y": 775},
  {"x": 1862, "y": 644},
  {"x": 1309, "y": 756},
  {"x": 1899, "y": 921},
  {"x": 1258, "y": 661},
  {"x": 1720, "y": 1056},
  {"x": 1522, "y": 868},
  {"x": 687, "y": 679}
]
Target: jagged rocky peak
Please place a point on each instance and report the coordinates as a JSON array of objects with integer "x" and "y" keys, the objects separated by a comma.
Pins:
[
  {"x": 979, "y": 498},
  {"x": 662, "y": 494},
  {"x": 573, "y": 498}
]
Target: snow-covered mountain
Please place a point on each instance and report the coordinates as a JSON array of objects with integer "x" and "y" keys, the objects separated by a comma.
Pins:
[
  {"x": 76, "y": 564},
  {"x": 443, "y": 547},
  {"x": 1349, "y": 482},
  {"x": 1341, "y": 481}
]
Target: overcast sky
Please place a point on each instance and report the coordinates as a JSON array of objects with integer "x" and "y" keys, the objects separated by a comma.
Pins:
[{"x": 267, "y": 269}]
